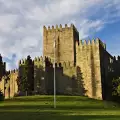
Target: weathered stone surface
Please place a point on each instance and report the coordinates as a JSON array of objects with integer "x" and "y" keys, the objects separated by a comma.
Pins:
[{"x": 81, "y": 66}]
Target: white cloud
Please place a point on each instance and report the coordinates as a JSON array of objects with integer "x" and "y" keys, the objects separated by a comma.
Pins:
[
  {"x": 88, "y": 27},
  {"x": 7, "y": 22},
  {"x": 21, "y": 22}
]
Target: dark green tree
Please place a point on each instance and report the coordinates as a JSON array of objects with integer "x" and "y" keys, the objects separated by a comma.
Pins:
[
  {"x": 26, "y": 76},
  {"x": 1, "y": 95},
  {"x": 116, "y": 87},
  {"x": 30, "y": 74}
]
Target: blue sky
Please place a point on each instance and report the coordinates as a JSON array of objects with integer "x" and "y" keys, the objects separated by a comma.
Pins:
[{"x": 21, "y": 24}]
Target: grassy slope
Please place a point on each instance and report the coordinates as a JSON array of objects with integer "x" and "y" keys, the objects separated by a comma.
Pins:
[{"x": 68, "y": 108}]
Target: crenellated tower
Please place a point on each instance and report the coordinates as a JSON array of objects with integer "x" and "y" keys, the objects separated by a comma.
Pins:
[
  {"x": 94, "y": 60},
  {"x": 65, "y": 37},
  {"x": 83, "y": 67}
]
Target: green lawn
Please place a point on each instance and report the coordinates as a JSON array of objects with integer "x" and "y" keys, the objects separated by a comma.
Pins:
[{"x": 68, "y": 108}]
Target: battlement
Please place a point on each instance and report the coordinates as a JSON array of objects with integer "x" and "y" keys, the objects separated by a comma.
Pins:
[
  {"x": 117, "y": 58},
  {"x": 48, "y": 59},
  {"x": 96, "y": 41},
  {"x": 38, "y": 59},
  {"x": 59, "y": 28},
  {"x": 22, "y": 62},
  {"x": 13, "y": 71},
  {"x": 65, "y": 64}
]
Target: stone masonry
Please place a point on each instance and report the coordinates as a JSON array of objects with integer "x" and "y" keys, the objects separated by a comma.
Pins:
[{"x": 82, "y": 67}]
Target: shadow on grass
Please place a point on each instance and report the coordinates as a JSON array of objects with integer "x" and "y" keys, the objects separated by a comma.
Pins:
[
  {"x": 50, "y": 98},
  {"x": 59, "y": 107},
  {"x": 53, "y": 116}
]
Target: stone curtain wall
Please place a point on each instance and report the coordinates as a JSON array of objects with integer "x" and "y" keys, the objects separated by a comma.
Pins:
[
  {"x": 9, "y": 84},
  {"x": 2, "y": 84},
  {"x": 13, "y": 83},
  {"x": 106, "y": 62},
  {"x": 39, "y": 75},
  {"x": 68, "y": 79},
  {"x": 88, "y": 59},
  {"x": 82, "y": 67}
]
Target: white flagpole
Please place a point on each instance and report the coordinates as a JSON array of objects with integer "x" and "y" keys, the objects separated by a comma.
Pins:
[{"x": 54, "y": 75}]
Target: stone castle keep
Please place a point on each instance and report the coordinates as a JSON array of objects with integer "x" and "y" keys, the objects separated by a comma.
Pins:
[{"x": 82, "y": 67}]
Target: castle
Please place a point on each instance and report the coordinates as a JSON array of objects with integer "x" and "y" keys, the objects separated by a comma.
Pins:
[{"x": 82, "y": 67}]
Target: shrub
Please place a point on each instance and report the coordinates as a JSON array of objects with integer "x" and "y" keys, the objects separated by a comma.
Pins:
[
  {"x": 68, "y": 91},
  {"x": 1, "y": 96}
]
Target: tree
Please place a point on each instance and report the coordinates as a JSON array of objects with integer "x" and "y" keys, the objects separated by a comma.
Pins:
[
  {"x": 30, "y": 73},
  {"x": 26, "y": 75},
  {"x": 116, "y": 87},
  {"x": 1, "y": 95}
]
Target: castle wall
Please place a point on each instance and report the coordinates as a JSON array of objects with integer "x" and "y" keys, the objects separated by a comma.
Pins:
[
  {"x": 39, "y": 75},
  {"x": 2, "y": 85},
  {"x": 65, "y": 77},
  {"x": 106, "y": 61},
  {"x": 65, "y": 43},
  {"x": 13, "y": 83},
  {"x": 81, "y": 67},
  {"x": 2, "y": 74},
  {"x": 49, "y": 80},
  {"x": 7, "y": 90},
  {"x": 88, "y": 59},
  {"x": 8, "y": 84}
]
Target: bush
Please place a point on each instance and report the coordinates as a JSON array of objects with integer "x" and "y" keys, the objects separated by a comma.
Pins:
[
  {"x": 1, "y": 96},
  {"x": 68, "y": 91}
]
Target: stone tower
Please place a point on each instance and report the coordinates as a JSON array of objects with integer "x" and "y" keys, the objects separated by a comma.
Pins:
[
  {"x": 66, "y": 38},
  {"x": 94, "y": 61}
]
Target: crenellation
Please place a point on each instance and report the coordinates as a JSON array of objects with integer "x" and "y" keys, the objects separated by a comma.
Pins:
[
  {"x": 84, "y": 43},
  {"x": 102, "y": 44},
  {"x": 44, "y": 28},
  {"x": 89, "y": 42},
  {"x": 81, "y": 43},
  {"x": 60, "y": 26},
  {"x": 35, "y": 59},
  {"x": 16, "y": 70},
  {"x": 48, "y": 28},
  {"x": 11, "y": 71},
  {"x": 81, "y": 61},
  {"x": 72, "y": 26},
  {"x": 19, "y": 62},
  {"x": 23, "y": 61},
  {"x": 66, "y": 26},
  {"x": 97, "y": 40},
  {"x": 41, "y": 58},
  {"x": 118, "y": 58},
  {"x": 38, "y": 58},
  {"x": 4, "y": 63},
  {"x": 77, "y": 43},
  {"x": 64, "y": 64},
  {"x": 57, "y": 27},
  {"x": 52, "y": 27},
  {"x": 93, "y": 41}
]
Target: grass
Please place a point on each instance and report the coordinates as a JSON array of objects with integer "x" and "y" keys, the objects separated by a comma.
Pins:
[{"x": 68, "y": 108}]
